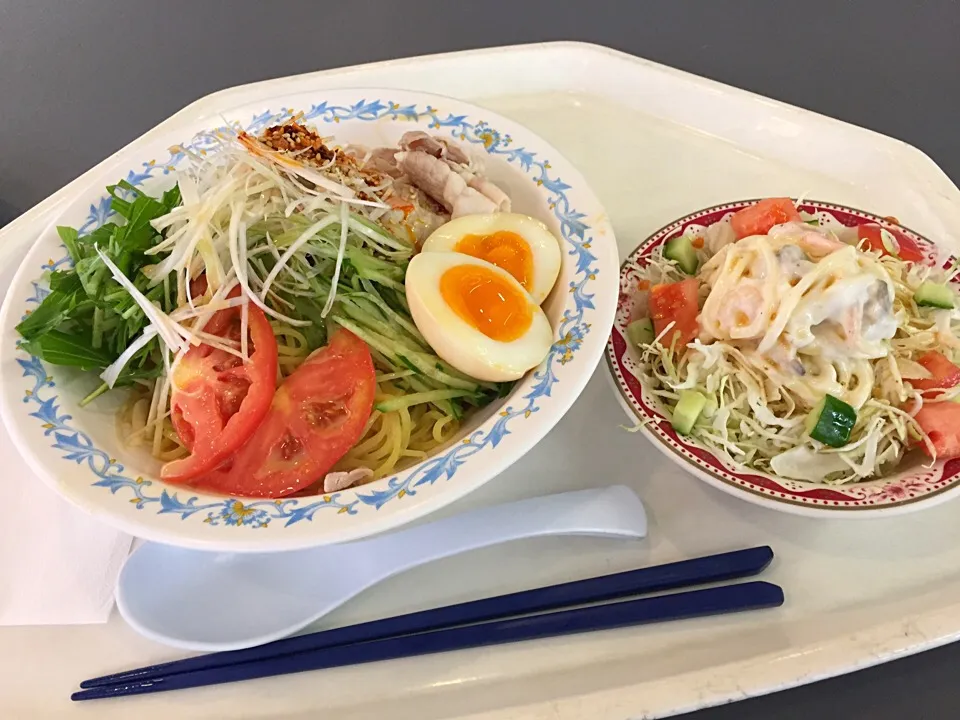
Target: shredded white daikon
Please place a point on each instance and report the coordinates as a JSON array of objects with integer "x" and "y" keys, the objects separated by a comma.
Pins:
[
  {"x": 110, "y": 375},
  {"x": 244, "y": 324},
  {"x": 291, "y": 165},
  {"x": 344, "y": 229}
]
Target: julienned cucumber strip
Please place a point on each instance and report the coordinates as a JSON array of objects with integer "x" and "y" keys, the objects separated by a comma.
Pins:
[
  {"x": 365, "y": 227},
  {"x": 418, "y": 361},
  {"x": 831, "y": 421},
  {"x": 431, "y": 396},
  {"x": 428, "y": 366},
  {"x": 411, "y": 329},
  {"x": 380, "y": 279},
  {"x": 408, "y": 364},
  {"x": 448, "y": 407},
  {"x": 381, "y": 327},
  {"x": 365, "y": 262},
  {"x": 383, "y": 349}
]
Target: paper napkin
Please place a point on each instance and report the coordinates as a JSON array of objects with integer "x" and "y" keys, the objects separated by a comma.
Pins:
[{"x": 58, "y": 566}]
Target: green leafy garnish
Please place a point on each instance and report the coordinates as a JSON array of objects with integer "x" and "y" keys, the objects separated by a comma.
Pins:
[
  {"x": 74, "y": 349},
  {"x": 87, "y": 320}
]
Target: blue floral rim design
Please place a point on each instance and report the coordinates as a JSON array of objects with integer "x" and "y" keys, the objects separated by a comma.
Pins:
[{"x": 76, "y": 446}]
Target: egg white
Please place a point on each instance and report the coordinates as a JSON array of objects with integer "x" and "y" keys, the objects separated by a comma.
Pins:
[
  {"x": 544, "y": 248},
  {"x": 456, "y": 341}
]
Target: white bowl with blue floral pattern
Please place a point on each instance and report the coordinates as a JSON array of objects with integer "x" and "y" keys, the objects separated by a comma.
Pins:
[{"x": 78, "y": 452}]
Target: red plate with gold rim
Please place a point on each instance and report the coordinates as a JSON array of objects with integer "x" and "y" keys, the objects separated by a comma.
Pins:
[{"x": 914, "y": 485}]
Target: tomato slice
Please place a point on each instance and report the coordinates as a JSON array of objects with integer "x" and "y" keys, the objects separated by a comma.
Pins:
[
  {"x": 909, "y": 250},
  {"x": 941, "y": 422},
  {"x": 945, "y": 373},
  {"x": 759, "y": 218},
  {"x": 316, "y": 416},
  {"x": 677, "y": 303},
  {"x": 218, "y": 400}
]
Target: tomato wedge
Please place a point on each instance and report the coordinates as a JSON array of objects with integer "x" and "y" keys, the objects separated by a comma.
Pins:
[
  {"x": 945, "y": 373},
  {"x": 759, "y": 218},
  {"x": 909, "y": 250},
  {"x": 941, "y": 422},
  {"x": 218, "y": 400},
  {"x": 316, "y": 416},
  {"x": 676, "y": 303}
]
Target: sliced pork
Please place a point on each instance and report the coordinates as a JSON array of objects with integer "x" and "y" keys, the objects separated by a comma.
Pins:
[
  {"x": 436, "y": 178},
  {"x": 419, "y": 141}
]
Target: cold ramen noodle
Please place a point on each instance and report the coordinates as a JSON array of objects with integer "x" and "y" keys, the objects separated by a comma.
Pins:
[
  {"x": 802, "y": 348},
  {"x": 298, "y": 317}
]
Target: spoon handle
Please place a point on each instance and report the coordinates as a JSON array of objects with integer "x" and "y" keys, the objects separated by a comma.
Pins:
[
  {"x": 609, "y": 512},
  {"x": 176, "y": 596}
]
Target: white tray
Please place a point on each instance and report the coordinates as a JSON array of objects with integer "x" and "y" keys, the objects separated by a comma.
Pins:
[{"x": 655, "y": 144}]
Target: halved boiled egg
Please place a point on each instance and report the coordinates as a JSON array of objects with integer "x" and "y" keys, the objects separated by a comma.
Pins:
[
  {"x": 476, "y": 316},
  {"x": 521, "y": 245}
]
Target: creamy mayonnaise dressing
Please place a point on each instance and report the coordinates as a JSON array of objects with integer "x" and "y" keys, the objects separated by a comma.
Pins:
[{"x": 804, "y": 307}]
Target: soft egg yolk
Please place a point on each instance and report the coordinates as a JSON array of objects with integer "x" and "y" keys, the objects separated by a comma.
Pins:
[
  {"x": 484, "y": 300},
  {"x": 505, "y": 249}
]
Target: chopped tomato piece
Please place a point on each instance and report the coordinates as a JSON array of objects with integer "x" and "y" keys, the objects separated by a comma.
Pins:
[
  {"x": 218, "y": 399},
  {"x": 945, "y": 373},
  {"x": 676, "y": 303},
  {"x": 317, "y": 415},
  {"x": 941, "y": 422},
  {"x": 759, "y": 218},
  {"x": 198, "y": 286},
  {"x": 908, "y": 249}
]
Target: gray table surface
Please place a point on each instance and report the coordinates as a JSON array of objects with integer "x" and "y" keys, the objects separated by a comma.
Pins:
[{"x": 80, "y": 79}]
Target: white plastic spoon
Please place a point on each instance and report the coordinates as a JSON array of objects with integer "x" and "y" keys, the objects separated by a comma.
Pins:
[{"x": 223, "y": 601}]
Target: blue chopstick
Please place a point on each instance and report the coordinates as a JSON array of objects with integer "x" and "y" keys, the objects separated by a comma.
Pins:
[
  {"x": 658, "y": 578},
  {"x": 694, "y": 603}
]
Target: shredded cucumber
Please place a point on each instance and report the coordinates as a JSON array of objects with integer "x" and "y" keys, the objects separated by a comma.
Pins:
[{"x": 430, "y": 396}]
